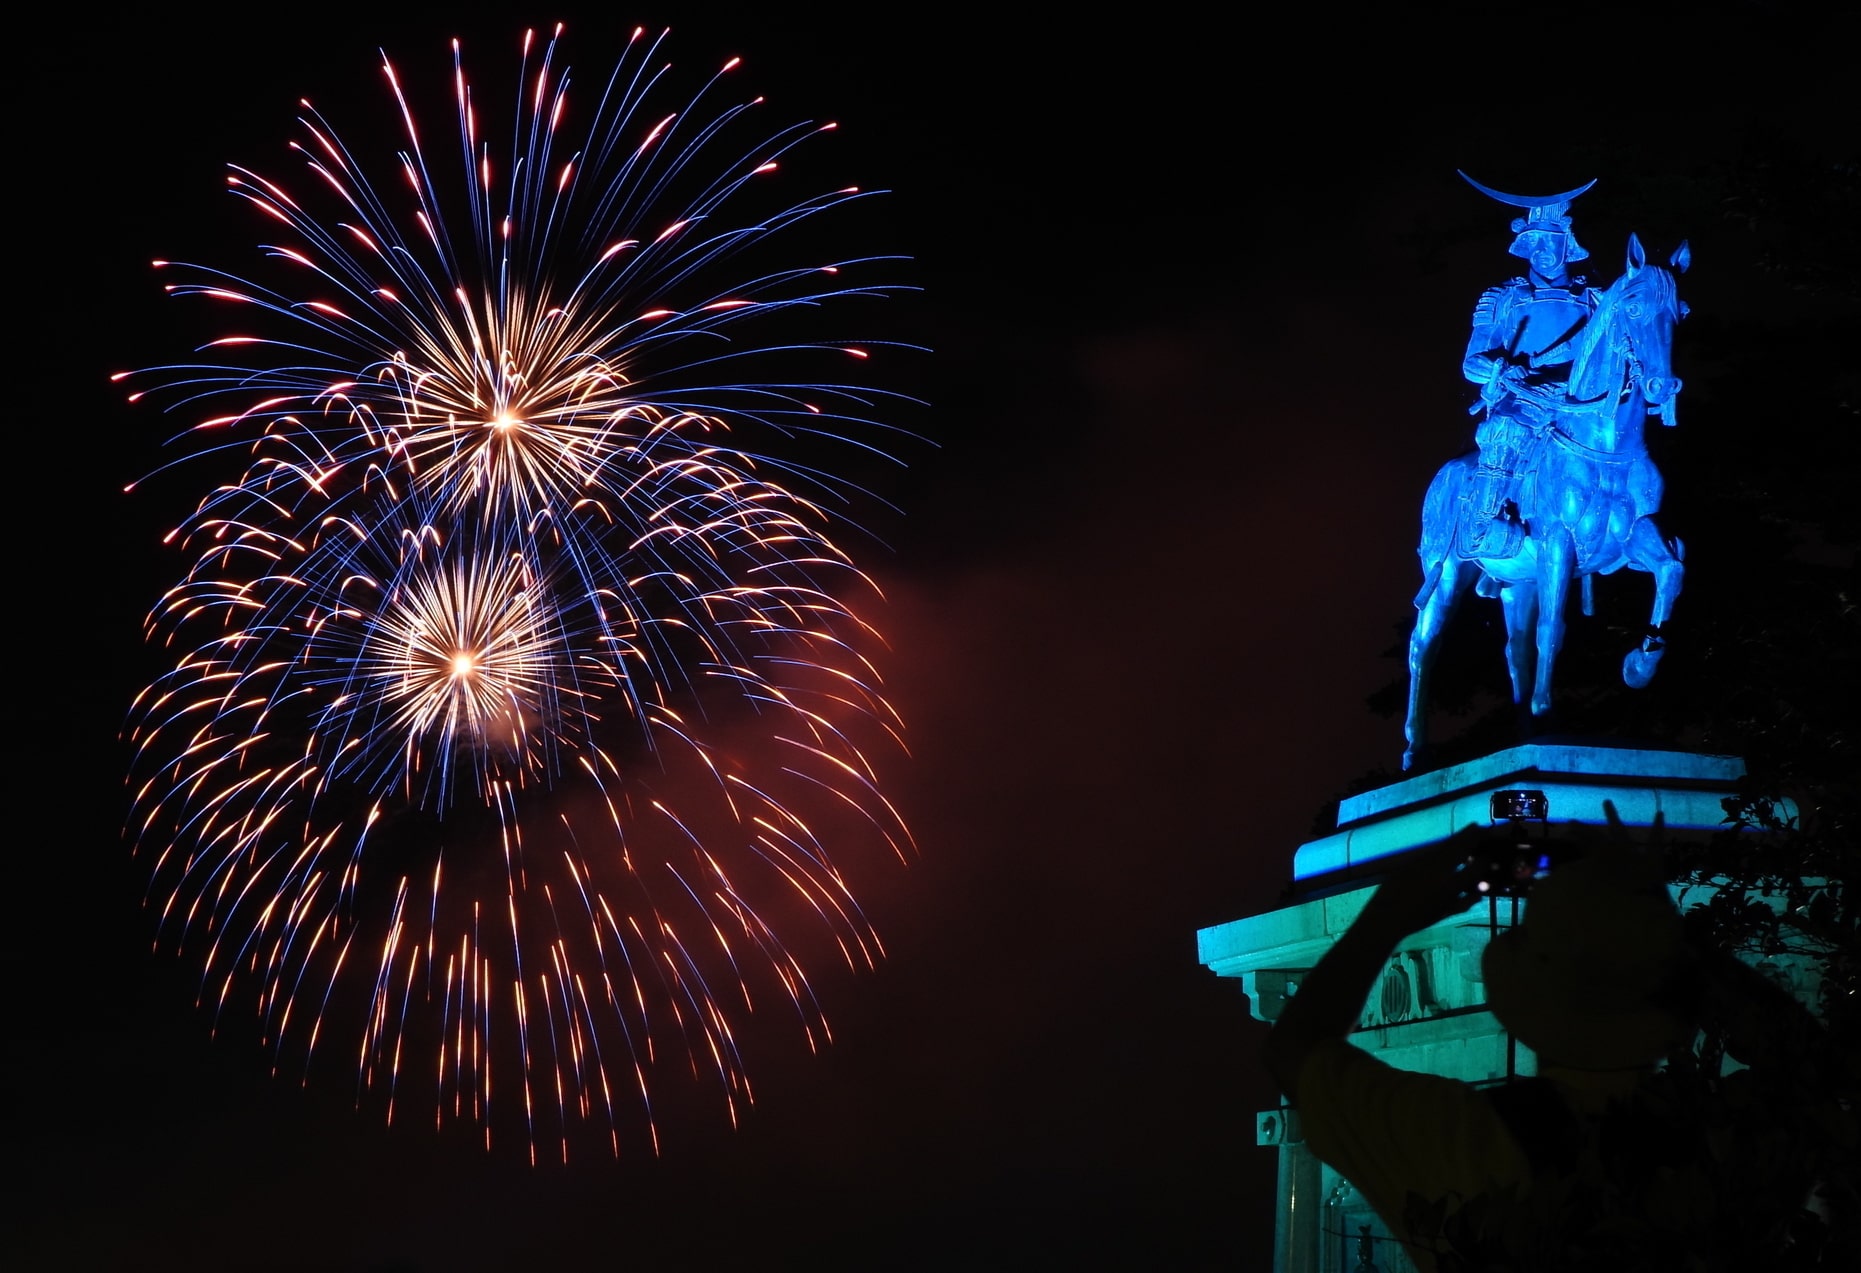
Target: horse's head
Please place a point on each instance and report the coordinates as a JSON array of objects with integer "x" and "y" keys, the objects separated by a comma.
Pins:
[
  {"x": 1646, "y": 306},
  {"x": 1627, "y": 347}
]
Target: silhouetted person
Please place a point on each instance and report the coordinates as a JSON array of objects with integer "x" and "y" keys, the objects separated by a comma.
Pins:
[{"x": 1602, "y": 1162}]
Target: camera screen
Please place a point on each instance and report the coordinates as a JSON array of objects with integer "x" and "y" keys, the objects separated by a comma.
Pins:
[{"x": 1520, "y": 804}]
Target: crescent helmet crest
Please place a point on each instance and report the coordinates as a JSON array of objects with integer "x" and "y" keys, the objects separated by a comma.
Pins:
[
  {"x": 1526, "y": 201},
  {"x": 1545, "y": 214}
]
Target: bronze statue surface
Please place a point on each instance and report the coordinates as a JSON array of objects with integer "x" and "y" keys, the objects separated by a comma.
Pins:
[{"x": 1561, "y": 487}]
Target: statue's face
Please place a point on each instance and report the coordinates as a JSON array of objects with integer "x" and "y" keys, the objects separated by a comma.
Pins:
[{"x": 1547, "y": 255}]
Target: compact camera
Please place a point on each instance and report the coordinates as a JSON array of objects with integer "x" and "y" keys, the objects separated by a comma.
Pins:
[
  {"x": 1507, "y": 865},
  {"x": 1520, "y": 806}
]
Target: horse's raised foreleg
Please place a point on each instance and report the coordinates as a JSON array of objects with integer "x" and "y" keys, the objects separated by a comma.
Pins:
[
  {"x": 1648, "y": 551},
  {"x": 1557, "y": 559},
  {"x": 1437, "y": 606}
]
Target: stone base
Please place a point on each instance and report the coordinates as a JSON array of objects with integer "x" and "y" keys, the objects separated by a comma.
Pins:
[{"x": 1684, "y": 789}]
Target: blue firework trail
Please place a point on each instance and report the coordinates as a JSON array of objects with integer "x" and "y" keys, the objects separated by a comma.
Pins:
[{"x": 517, "y": 686}]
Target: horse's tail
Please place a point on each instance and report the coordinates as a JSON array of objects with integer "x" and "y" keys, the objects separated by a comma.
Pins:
[
  {"x": 1440, "y": 511},
  {"x": 1430, "y": 581}
]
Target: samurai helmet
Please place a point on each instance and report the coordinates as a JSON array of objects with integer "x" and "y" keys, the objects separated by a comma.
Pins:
[{"x": 1545, "y": 214}]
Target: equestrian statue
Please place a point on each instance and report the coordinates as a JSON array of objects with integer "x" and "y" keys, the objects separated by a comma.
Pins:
[{"x": 1561, "y": 486}]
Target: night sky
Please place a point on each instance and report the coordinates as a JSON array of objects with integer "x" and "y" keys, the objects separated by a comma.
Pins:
[{"x": 1197, "y": 297}]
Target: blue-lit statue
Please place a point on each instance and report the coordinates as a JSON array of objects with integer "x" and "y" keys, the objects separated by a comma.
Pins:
[
  {"x": 1561, "y": 487},
  {"x": 1524, "y": 336}
]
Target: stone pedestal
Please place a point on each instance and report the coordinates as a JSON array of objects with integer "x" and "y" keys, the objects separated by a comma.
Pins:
[{"x": 1427, "y": 1011}]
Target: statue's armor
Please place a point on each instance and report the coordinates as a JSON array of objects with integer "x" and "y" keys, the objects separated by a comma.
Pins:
[{"x": 1519, "y": 353}]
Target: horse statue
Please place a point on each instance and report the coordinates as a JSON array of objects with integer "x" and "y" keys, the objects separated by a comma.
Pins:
[{"x": 1586, "y": 498}]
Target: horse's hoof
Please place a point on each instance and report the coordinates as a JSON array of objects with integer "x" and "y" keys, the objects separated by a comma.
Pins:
[{"x": 1638, "y": 667}]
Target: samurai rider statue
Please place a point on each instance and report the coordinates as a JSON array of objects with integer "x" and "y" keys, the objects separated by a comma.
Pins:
[
  {"x": 1562, "y": 488},
  {"x": 1519, "y": 354}
]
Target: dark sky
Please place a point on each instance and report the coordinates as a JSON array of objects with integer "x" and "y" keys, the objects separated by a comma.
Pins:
[{"x": 1197, "y": 296}]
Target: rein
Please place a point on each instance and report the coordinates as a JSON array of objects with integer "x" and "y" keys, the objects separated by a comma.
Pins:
[{"x": 1575, "y": 447}]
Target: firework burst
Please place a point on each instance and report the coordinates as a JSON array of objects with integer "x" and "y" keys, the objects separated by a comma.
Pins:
[{"x": 516, "y": 691}]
